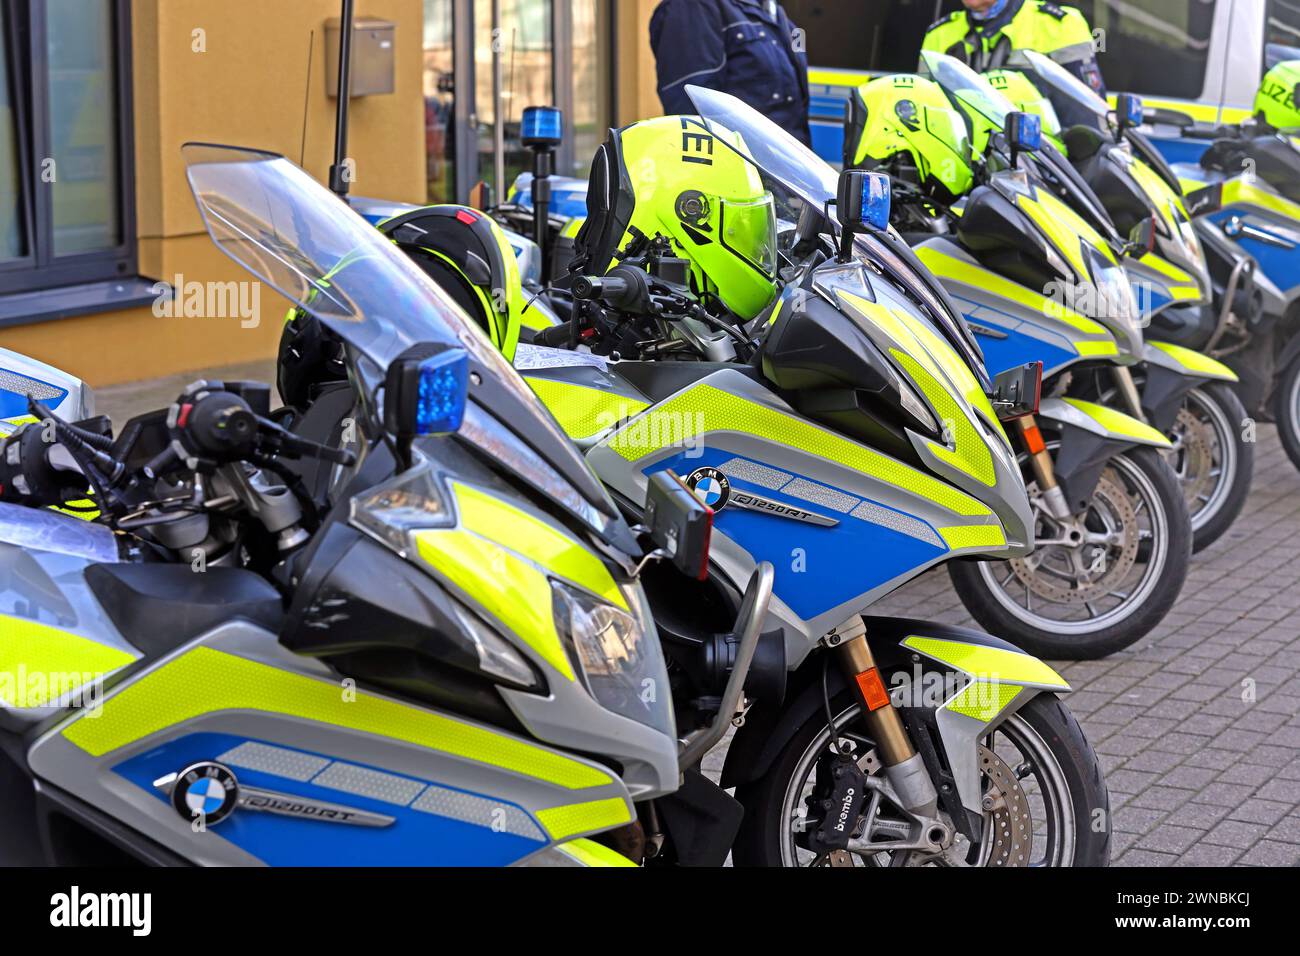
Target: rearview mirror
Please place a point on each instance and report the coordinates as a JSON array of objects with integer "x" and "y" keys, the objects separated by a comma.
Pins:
[
  {"x": 680, "y": 524},
  {"x": 1143, "y": 235},
  {"x": 862, "y": 202},
  {"x": 1128, "y": 111},
  {"x": 1016, "y": 391}
]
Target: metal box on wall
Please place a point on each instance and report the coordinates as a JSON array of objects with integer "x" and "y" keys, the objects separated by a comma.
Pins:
[{"x": 374, "y": 67}]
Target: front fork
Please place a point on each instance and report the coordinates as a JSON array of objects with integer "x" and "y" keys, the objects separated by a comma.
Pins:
[
  {"x": 1128, "y": 392},
  {"x": 904, "y": 767},
  {"x": 1040, "y": 462}
]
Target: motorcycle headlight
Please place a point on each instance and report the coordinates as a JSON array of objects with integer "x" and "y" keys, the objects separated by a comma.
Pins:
[{"x": 621, "y": 664}]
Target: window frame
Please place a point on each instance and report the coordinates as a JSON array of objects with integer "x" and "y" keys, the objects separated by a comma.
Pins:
[{"x": 26, "y": 37}]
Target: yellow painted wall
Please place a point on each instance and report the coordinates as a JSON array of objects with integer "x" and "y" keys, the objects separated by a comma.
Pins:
[
  {"x": 637, "y": 96},
  {"x": 246, "y": 88}
]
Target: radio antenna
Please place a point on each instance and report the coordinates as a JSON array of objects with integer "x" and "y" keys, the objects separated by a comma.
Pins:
[
  {"x": 306, "y": 97},
  {"x": 338, "y": 171}
]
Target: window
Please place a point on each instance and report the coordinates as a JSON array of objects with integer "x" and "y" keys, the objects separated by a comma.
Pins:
[
  {"x": 1282, "y": 32},
  {"x": 886, "y": 34},
  {"x": 66, "y": 207},
  {"x": 1153, "y": 47}
]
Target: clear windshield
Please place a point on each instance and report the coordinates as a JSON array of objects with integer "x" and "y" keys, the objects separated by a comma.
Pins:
[
  {"x": 279, "y": 224},
  {"x": 773, "y": 149},
  {"x": 1060, "y": 81},
  {"x": 966, "y": 87}
]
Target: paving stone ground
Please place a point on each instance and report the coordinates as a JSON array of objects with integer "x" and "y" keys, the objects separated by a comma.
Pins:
[{"x": 1197, "y": 726}]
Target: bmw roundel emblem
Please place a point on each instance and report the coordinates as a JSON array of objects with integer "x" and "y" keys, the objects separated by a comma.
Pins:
[
  {"x": 208, "y": 789},
  {"x": 710, "y": 486}
]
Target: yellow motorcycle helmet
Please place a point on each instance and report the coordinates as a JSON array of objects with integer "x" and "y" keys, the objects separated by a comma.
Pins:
[
  {"x": 1028, "y": 98},
  {"x": 907, "y": 120},
  {"x": 689, "y": 180}
]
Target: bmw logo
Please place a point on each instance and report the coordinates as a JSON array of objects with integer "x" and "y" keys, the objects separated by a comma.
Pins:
[
  {"x": 205, "y": 789},
  {"x": 710, "y": 486}
]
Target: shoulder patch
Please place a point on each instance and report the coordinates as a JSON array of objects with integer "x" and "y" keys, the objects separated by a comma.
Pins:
[
  {"x": 1052, "y": 9},
  {"x": 950, "y": 18}
]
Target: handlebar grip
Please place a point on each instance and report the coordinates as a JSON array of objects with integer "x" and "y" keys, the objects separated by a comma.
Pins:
[
  {"x": 555, "y": 337},
  {"x": 609, "y": 288}
]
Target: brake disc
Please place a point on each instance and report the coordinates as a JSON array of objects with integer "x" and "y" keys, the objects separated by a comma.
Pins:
[
  {"x": 1194, "y": 457},
  {"x": 1008, "y": 821},
  {"x": 1078, "y": 582}
]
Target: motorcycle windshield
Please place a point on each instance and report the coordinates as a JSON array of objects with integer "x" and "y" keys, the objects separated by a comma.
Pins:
[
  {"x": 282, "y": 226},
  {"x": 278, "y": 223},
  {"x": 967, "y": 88},
  {"x": 1060, "y": 82},
  {"x": 791, "y": 169}
]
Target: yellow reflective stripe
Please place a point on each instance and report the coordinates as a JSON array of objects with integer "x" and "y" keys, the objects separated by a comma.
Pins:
[
  {"x": 1118, "y": 423},
  {"x": 1092, "y": 349},
  {"x": 706, "y": 403},
  {"x": 948, "y": 267},
  {"x": 507, "y": 587},
  {"x": 983, "y": 662},
  {"x": 1166, "y": 268},
  {"x": 534, "y": 539},
  {"x": 205, "y": 681},
  {"x": 582, "y": 411},
  {"x": 838, "y": 77},
  {"x": 40, "y": 663},
  {"x": 1066, "y": 227},
  {"x": 561, "y": 822},
  {"x": 973, "y": 536},
  {"x": 1239, "y": 190},
  {"x": 981, "y": 700},
  {"x": 921, "y": 355},
  {"x": 1195, "y": 361},
  {"x": 590, "y": 853},
  {"x": 1201, "y": 112}
]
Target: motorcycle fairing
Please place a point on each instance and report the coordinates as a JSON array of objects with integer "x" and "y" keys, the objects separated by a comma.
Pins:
[
  {"x": 889, "y": 520},
  {"x": 65, "y": 395},
  {"x": 286, "y": 724},
  {"x": 1104, "y": 422},
  {"x": 1187, "y": 362},
  {"x": 1013, "y": 323}
]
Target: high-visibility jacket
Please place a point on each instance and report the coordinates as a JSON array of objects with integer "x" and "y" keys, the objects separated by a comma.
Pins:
[{"x": 1052, "y": 29}]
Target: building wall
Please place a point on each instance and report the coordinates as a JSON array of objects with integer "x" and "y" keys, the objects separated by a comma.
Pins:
[
  {"x": 637, "y": 96},
  {"x": 246, "y": 87}
]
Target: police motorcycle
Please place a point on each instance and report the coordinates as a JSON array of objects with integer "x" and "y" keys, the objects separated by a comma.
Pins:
[
  {"x": 1036, "y": 283},
  {"x": 840, "y": 424},
  {"x": 422, "y": 642},
  {"x": 1190, "y": 396},
  {"x": 834, "y": 468},
  {"x": 1244, "y": 192}
]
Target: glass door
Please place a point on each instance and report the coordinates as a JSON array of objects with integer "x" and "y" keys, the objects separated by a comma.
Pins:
[{"x": 514, "y": 67}]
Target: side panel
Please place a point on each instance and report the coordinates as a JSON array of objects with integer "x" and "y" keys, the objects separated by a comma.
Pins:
[
  {"x": 841, "y": 523},
  {"x": 446, "y": 791}
]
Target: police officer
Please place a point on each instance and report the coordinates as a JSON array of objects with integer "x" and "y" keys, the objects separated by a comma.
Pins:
[
  {"x": 987, "y": 32},
  {"x": 748, "y": 48}
]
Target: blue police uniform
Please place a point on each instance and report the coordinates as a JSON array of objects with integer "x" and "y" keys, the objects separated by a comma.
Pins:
[{"x": 743, "y": 47}]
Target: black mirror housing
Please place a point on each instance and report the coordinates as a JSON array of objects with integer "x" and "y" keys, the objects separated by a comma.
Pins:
[
  {"x": 1017, "y": 391},
  {"x": 680, "y": 524}
]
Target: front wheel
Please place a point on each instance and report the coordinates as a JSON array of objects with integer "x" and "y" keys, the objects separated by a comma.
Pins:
[
  {"x": 1287, "y": 411},
  {"x": 1212, "y": 459},
  {"x": 1098, "y": 583},
  {"x": 1047, "y": 802}
]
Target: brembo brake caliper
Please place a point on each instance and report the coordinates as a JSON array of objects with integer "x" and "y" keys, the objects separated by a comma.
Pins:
[{"x": 839, "y": 794}]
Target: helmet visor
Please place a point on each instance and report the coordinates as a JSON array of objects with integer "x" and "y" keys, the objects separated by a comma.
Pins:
[{"x": 749, "y": 230}]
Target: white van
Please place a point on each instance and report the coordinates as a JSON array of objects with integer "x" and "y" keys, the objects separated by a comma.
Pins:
[{"x": 1201, "y": 58}]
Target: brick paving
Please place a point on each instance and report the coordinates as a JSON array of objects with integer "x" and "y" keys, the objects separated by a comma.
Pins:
[{"x": 1197, "y": 726}]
